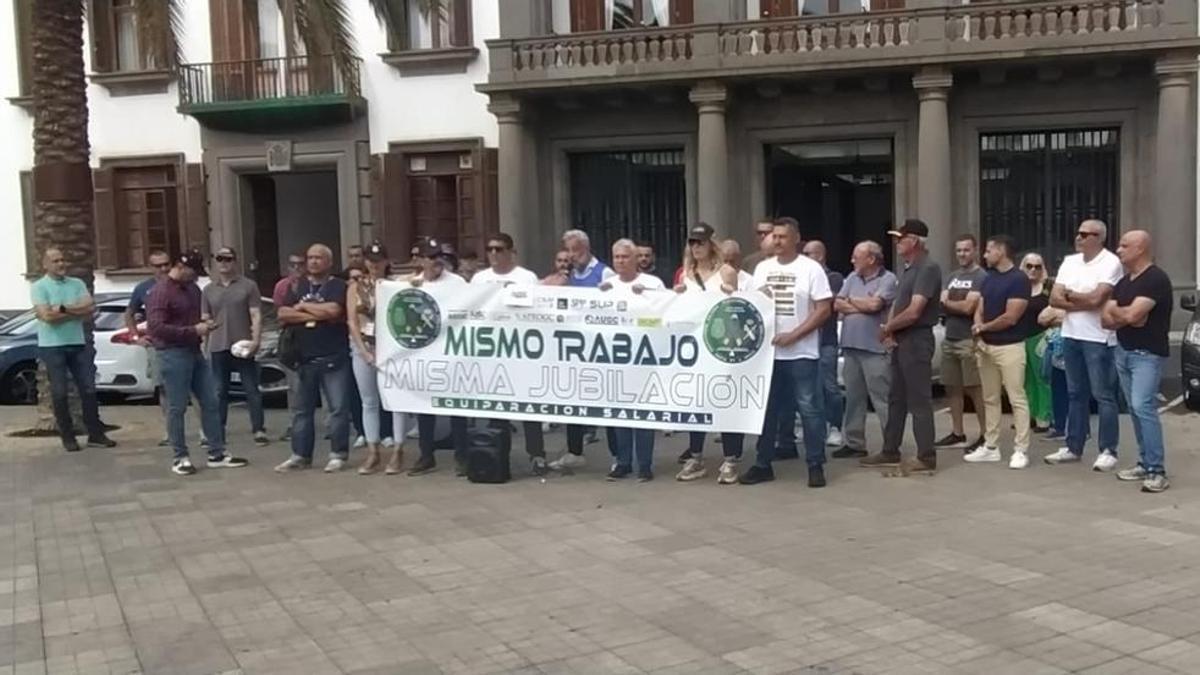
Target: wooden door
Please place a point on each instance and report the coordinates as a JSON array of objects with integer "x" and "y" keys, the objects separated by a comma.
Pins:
[
  {"x": 587, "y": 15},
  {"x": 877, "y": 5},
  {"x": 776, "y": 9}
]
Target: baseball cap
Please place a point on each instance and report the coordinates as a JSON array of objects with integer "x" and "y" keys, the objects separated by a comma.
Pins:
[
  {"x": 375, "y": 252},
  {"x": 911, "y": 226},
  {"x": 194, "y": 259},
  {"x": 701, "y": 232}
]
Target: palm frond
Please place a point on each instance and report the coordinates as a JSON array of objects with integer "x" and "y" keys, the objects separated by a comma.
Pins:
[
  {"x": 160, "y": 29},
  {"x": 393, "y": 16},
  {"x": 326, "y": 28}
]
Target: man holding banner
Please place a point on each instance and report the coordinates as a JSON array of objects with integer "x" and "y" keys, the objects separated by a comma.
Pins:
[
  {"x": 436, "y": 261},
  {"x": 802, "y": 298}
]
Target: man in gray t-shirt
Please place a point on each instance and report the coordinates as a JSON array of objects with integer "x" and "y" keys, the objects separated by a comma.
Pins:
[
  {"x": 960, "y": 375},
  {"x": 232, "y": 302}
]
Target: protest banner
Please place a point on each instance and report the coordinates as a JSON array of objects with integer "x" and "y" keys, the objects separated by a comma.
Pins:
[{"x": 659, "y": 359}]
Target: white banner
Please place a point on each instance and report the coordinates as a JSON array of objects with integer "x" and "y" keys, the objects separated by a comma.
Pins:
[{"x": 661, "y": 360}]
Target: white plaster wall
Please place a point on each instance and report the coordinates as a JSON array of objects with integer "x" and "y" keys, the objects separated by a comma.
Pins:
[
  {"x": 16, "y": 134},
  {"x": 425, "y": 107}
]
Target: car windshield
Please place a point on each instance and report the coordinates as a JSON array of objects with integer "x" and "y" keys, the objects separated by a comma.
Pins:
[{"x": 20, "y": 324}]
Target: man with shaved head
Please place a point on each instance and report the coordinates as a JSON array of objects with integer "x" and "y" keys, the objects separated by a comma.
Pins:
[
  {"x": 1140, "y": 312},
  {"x": 834, "y": 401},
  {"x": 62, "y": 303},
  {"x": 1084, "y": 285},
  {"x": 315, "y": 308}
]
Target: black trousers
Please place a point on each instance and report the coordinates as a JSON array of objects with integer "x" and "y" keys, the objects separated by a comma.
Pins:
[
  {"x": 911, "y": 369},
  {"x": 427, "y": 436}
]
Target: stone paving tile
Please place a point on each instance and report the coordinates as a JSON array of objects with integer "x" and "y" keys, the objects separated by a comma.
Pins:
[{"x": 110, "y": 565}]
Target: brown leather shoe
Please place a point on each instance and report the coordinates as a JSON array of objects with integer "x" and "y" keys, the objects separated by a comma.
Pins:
[
  {"x": 879, "y": 460},
  {"x": 918, "y": 466}
]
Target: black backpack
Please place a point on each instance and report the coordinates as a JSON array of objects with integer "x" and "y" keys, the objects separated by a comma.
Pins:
[{"x": 487, "y": 456}]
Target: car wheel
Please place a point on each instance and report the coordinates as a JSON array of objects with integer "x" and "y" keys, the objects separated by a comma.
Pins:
[
  {"x": 1191, "y": 401},
  {"x": 20, "y": 384}
]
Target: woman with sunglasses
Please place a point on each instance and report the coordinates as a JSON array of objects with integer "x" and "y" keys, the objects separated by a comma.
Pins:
[
  {"x": 710, "y": 267},
  {"x": 360, "y": 318},
  {"x": 1037, "y": 388}
]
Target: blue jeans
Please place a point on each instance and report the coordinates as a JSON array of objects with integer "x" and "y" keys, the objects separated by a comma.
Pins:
[
  {"x": 1140, "y": 374},
  {"x": 835, "y": 403},
  {"x": 224, "y": 363},
  {"x": 333, "y": 375},
  {"x": 1090, "y": 372},
  {"x": 79, "y": 363},
  {"x": 795, "y": 384},
  {"x": 185, "y": 374},
  {"x": 1058, "y": 399},
  {"x": 627, "y": 442}
]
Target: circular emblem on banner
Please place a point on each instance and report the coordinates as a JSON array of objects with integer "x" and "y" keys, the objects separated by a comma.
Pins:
[
  {"x": 414, "y": 318},
  {"x": 733, "y": 330}
]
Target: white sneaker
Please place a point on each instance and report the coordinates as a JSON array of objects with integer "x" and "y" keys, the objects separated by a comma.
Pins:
[
  {"x": 982, "y": 454},
  {"x": 1061, "y": 456},
  {"x": 183, "y": 467},
  {"x": 728, "y": 474},
  {"x": 293, "y": 463},
  {"x": 568, "y": 461},
  {"x": 693, "y": 469},
  {"x": 335, "y": 464},
  {"x": 389, "y": 443},
  {"x": 1105, "y": 462},
  {"x": 835, "y": 439},
  {"x": 1019, "y": 460},
  {"x": 360, "y": 442}
]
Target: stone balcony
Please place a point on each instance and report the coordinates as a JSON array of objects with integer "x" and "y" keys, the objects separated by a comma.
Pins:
[{"x": 926, "y": 35}]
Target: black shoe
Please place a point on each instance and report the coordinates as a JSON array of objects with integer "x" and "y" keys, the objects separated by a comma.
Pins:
[
  {"x": 951, "y": 439},
  {"x": 757, "y": 474},
  {"x": 101, "y": 441},
  {"x": 423, "y": 466},
  {"x": 787, "y": 453},
  {"x": 816, "y": 477},
  {"x": 537, "y": 466},
  {"x": 460, "y": 468},
  {"x": 846, "y": 452},
  {"x": 645, "y": 476},
  {"x": 684, "y": 457},
  {"x": 71, "y": 445},
  {"x": 618, "y": 472}
]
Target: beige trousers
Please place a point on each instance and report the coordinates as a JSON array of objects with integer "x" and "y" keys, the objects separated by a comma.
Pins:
[{"x": 1004, "y": 366}]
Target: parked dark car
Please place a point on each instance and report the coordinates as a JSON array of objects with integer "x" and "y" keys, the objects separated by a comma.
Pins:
[{"x": 1189, "y": 354}]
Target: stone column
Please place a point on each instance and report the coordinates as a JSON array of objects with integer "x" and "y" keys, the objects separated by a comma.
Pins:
[
  {"x": 933, "y": 161},
  {"x": 1174, "y": 226},
  {"x": 511, "y": 170},
  {"x": 712, "y": 156}
]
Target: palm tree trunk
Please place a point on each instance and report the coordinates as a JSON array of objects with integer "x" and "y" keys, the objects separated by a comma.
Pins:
[{"x": 62, "y": 185}]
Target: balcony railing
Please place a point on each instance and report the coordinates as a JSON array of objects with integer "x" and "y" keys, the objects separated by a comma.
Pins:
[
  {"x": 1001, "y": 29},
  {"x": 241, "y": 83}
]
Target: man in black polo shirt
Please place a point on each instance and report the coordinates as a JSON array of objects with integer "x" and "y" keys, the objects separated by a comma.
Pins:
[
  {"x": 908, "y": 335},
  {"x": 1140, "y": 312}
]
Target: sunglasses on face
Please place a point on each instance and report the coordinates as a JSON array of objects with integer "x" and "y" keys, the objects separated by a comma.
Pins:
[
  {"x": 1033, "y": 267},
  {"x": 1084, "y": 235},
  {"x": 696, "y": 242},
  {"x": 223, "y": 258}
]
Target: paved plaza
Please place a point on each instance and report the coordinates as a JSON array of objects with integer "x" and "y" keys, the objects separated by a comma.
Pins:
[{"x": 109, "y": 564}]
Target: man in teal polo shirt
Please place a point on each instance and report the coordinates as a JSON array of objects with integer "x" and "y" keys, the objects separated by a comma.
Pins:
[{"x": 62, "y": 303}]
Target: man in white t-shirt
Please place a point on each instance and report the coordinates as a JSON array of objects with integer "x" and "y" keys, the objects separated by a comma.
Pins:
[
  {"x": 503, "y": 270},
  {"x": 502, "y": 264},
  {"x": 1084, "y": 284},
  {"x": 803, "y": 302}
]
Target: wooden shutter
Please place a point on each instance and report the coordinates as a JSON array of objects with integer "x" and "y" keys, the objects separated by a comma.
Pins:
[
  {"x": 195, "y": 224},
  {"x": 775, "y": 9},
  {"x": 33, "y": 263},
  {"x": 877, "y": 5},
  {"x": 392, "y": 223},
  {"x": 460, "y": 32},
  {"x": 108, "y": 252},
  {"x": 102, "y": 34},
  {"x": 587, "y": 15},
  {"x": 682, "y": 12}
]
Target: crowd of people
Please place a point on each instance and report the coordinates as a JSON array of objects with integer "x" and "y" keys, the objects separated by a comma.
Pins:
[{"x": 1050, "y": 348}]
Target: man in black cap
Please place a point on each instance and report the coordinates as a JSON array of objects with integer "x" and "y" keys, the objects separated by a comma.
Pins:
[
  {"x": 176, "y": 330},
  {"x": 908, "y": 334}
]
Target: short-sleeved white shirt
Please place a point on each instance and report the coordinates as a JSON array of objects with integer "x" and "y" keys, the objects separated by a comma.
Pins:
[
  {"x": 647, "y": 281},
  {"x": 796, "y": 288},
  {"x": 713, "y": 283},
  {"x": 517, "y": 275},
  {"x": 1079, "y": 276}
]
